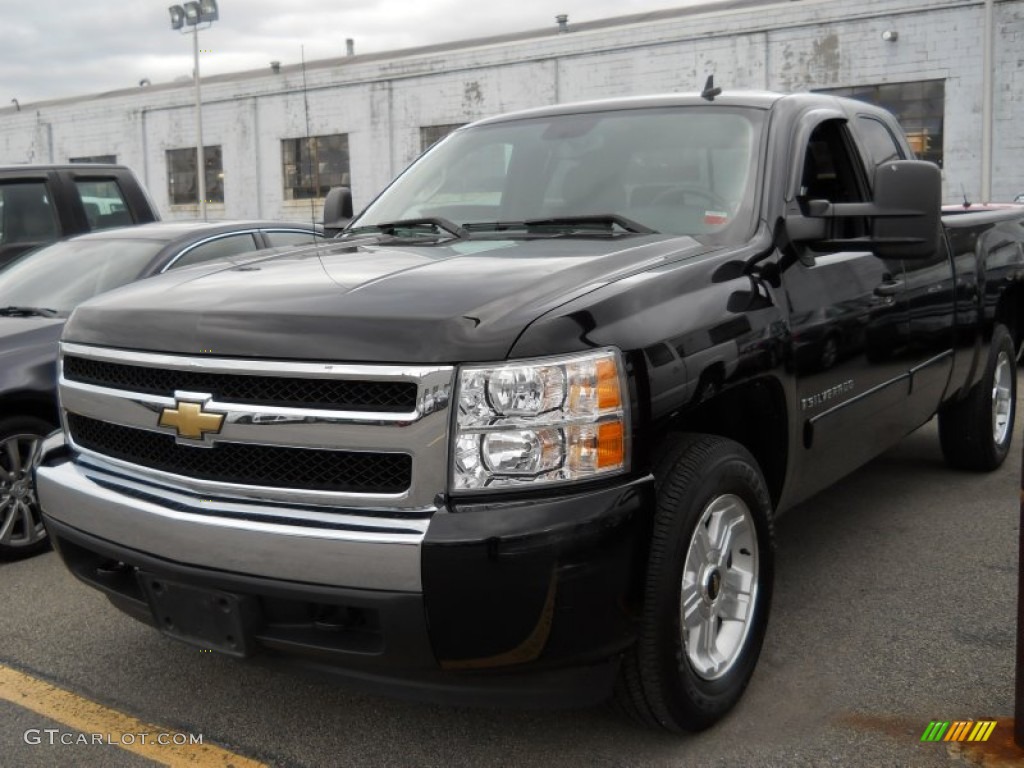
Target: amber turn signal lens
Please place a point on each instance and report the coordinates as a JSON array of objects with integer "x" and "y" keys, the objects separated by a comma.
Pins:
[
  {"x": 608, "y": 395},
  {"x": 610, "y": 445}
]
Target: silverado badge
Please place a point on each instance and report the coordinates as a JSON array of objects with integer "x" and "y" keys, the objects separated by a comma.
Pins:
[{"x": 191, "y": 420}]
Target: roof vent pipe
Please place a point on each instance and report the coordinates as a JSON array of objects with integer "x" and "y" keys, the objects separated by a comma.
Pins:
[
  {"x": 350, "y": 46},
  {"x": 275, "y": 67},
  {"x": 563, "y": 23}
]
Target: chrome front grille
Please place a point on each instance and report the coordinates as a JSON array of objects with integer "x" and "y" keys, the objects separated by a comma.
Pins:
[
  {"x": 340, "y": 394},
  {"x": 272, "y": 465},
  {"x": 370, "y": 436}
]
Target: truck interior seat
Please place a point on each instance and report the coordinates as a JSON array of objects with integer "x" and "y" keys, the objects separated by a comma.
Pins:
[
  {"x": 593, "y": 188},
  {"x": 115, "y": 219},
  {"x": 92, "y": 213},
  {"x": 647, "y": 194}
]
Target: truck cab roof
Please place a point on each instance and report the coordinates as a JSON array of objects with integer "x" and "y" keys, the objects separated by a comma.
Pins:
[{"x": 753, "y": 99}]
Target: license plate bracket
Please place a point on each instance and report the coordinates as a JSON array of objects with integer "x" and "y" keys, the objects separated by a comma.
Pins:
[{"x": 208, "y": 618}]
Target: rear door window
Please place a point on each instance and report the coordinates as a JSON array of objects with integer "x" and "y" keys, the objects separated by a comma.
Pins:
[
  {"x": 104, "y": 204},
  {"x": 27, "y": 213},
  {"x": 277, "y": 239},
  {"x": 221, "y": 248}
]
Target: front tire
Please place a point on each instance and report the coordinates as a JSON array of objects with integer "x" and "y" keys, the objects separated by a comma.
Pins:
[
  {"x": 21, "y": 524},
  {"x": 708, "y": 587},
  {"x": 976, "y": 432}
]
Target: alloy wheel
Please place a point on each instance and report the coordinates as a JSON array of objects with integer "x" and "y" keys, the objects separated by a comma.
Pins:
[
  {"x": 719, "y": 586},
  {"x": 21, "y": 523}
]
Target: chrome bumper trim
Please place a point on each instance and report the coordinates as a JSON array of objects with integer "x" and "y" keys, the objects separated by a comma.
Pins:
[{"x": 341, "y": 549}]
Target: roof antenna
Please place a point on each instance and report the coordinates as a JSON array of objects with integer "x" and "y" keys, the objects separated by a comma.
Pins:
[
  {"x": 710, "y": 91},
  {"x": 967, "y": 203}
]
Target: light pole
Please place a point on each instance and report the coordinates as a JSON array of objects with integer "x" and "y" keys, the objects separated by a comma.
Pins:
[
  {"x": 192, "y": 15},
  {"x": 987, "y": 89}
]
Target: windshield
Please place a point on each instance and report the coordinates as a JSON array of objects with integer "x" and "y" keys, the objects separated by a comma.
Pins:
[
  {"x": 680, "y": 171},
  {"x": 62, "y": 275}
]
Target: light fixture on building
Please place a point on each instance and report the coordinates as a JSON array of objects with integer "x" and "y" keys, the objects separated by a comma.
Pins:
[
  {"x": 890, "y": 35},
  {"x": 144, "y": 82},
  {"x": 17, "y": 106},
  {"x": 192, "y": 15}
]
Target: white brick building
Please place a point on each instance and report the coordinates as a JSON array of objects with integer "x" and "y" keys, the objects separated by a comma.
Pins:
[{"x": 380, "y": 102}]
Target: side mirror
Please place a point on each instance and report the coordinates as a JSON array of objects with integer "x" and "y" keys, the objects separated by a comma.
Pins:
[
  {"x": 904, "y": 212},
  {"x": 808, "y": 228},
  {"x": 908, "y": 196},
  {"x": 337, "y": 210}
]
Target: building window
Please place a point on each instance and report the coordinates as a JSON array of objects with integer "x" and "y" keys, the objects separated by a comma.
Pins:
[
  {"x": 181, "y": 175},
  {"x": 94, "y": 159},
  {"x": 312, "y": 166},
  {"x": 431, "y": 134},
  {"x": 919, "y": 107}
]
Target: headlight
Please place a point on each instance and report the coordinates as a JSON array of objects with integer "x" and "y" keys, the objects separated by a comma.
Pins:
[{"x": 534, "y": 422}]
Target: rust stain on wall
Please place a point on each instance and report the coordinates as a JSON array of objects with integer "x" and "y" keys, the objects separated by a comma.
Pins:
[
  {"x": 825, "y": 59},
  {"x": 802, "y": 68},
  {"x": 473, "y": 96}
]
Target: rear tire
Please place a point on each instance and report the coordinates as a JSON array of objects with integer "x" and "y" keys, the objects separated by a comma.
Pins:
[
  {"x": 976, "y": 432},
  {"x": 21, "y": 524},
  {"x": 708, "y": 587}
]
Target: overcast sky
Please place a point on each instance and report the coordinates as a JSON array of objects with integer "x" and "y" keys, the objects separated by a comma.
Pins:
[{"x": 52, "y": 49}]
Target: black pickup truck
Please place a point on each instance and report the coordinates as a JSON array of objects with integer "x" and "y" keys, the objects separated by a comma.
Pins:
[
  {"x": 522, "y": 432},
  {"x": 43, "y": 203}
]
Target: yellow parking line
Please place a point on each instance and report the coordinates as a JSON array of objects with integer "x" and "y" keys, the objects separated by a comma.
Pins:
[{"x": 121, "y": 730}]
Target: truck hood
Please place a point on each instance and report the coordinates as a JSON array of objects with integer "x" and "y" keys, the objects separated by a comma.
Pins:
[{"x": 370, "y": 302}]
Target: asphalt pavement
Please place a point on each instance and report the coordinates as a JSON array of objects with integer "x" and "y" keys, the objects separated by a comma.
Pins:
[{"x": 895, "y": 605}]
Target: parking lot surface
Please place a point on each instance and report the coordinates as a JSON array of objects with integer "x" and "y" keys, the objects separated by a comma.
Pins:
[{"x": 894, "y": 605}]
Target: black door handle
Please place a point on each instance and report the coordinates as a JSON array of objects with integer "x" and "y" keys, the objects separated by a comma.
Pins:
[{"x": 889, "y": 288}]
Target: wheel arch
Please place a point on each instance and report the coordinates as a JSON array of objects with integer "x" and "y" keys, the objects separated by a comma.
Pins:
[
  {"x": 29, "y": 404},
  {"x": 754, "y": 414},
  {"x": 1010, "y": 312}
]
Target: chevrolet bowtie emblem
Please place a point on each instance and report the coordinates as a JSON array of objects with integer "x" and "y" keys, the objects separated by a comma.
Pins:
[{"x": 191, "y": 420}]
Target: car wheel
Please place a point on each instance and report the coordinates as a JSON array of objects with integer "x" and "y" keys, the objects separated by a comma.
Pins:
[
  {"x": 21, "y": 524},
  {"x": 976, "y": 432},
  {"x": 708, "y": 587}
]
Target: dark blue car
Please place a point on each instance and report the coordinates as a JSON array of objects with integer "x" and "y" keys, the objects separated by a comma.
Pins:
[{"x": 38, "y": 293}]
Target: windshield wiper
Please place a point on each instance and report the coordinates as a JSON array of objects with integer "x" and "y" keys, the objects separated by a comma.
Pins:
[
  {"x": 601, "y": 222},
  {"x": 28, "y": 311},
  {"x": 436, "y": 223}
]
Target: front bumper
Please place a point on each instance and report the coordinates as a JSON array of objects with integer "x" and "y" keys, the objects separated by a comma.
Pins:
[
  {"x": 516, "y": 602},
  {"x": 271, "y": 540}
]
